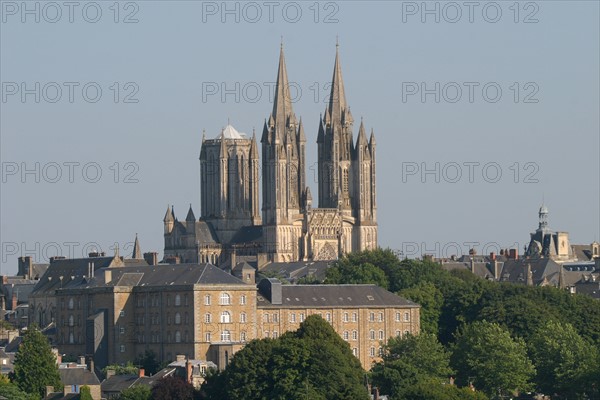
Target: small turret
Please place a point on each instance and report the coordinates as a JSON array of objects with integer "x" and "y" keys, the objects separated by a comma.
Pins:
[{"x": 169, "y": 220}]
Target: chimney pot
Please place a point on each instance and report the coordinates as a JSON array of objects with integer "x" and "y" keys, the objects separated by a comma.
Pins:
[{"x": 141, "y": 372}]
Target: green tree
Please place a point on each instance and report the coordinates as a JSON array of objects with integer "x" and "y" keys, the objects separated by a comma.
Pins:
[
  {"x": 409, "y": 360},
  {"x": 365, "y": 273},
  {"x": 311, "y": 362},
  {"x": 139, "y": 392},
  {"x": 426, "y": 390},
  {"x": 431, "y": 301},
  {"x": 35, "y": 365},
  {"x": 11, "y": 391},
  {"x": 85, "y": 393},
  {"x": 566, "y": 364},
  {"x": 380, "y": 267},
  {"x": 486, "y": 355},
  {"x": 149, "y": 362}
]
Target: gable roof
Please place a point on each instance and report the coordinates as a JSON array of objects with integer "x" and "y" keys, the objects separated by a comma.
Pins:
[{"x": 327, "y": 296}]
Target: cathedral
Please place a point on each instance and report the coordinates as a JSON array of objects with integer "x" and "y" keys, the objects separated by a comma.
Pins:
[{"x": 287, "y": 228}]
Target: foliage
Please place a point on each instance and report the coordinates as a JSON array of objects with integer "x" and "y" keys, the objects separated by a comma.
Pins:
[
  {"x": 311, "y": 362},
  {"x": 566, "y": 364},
  {"x": 11, "y": 391},
  {"x": 85, "y": 393},
  {"x": 127, "y": 369},
  {"x": 378, "y": 267},
  {"x": 35, "y": 365},
  {"x": 6, "y": 326},
  {"x": 486, "y": 355},
  {"x": 409, "y": 360},
  {"x": 431, "y": 300},
  {"x": 139, "y": 392},
  {"x": 172, "y": 388},
  {"x": 149, "y": 362},
  {"x": 424, "y": 390}
]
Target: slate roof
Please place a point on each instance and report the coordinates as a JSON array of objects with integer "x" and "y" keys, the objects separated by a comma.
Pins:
[
  {"x": 330, "y": 296},
  {"x": 77, "y": 376},
  {"x": 68, "y": 268},
  {"x": 582, "y": 252},
  {"x": 205, "y": 233},
  {"x": 161, "y": 275},
  {"x": 118, "y": 383},
  {"x": 295, "y": 270},
  {"x": 247, "y": 234},
  {"x": 515, "y": 271}
]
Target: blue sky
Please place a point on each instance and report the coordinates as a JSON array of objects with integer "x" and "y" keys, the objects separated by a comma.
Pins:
[{"x": 517, "y": 89}]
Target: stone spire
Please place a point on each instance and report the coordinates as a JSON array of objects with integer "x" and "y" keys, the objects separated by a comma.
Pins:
[
  {"x": 337, "y": 97},
  {"x": 301, "y": 136},
  {"x": 362, "y": 137},
  {"x": 137, "y": 251},
  {"x": 190, "y": 215},
  {"x": 282, "y": 103},
  {"x": 253, "y": 146}
]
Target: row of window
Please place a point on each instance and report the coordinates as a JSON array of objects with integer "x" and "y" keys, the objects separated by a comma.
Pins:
[
  {"x": 155, "y": 319},
  {"x": 224, "y": 299},
  {"x": 345, "y": 317},
  {"x": 226, "y": 336},
  {"x": 155, "y": 300},
  {"x": 372, "y": 335},
  {"x": 225, "y": 318}
]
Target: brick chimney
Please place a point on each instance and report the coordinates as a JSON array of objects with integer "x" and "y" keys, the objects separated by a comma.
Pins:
[
  {"x": 514, "y": 254},
  {"x": 49, "y": 390},
  {"x": 110, "y": 372},
  {"x": 493, "y": 256},
  {"x": 14, "y": 301},
  {"x": 141, "y": 373},
  {"x": 25, "y": 266}
]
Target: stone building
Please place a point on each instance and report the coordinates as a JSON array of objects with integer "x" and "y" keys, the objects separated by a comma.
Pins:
[
  {"x": 289, "y": 228},
  {"x": 205, "y": 313},
  {"x": 365, "y": 316}
]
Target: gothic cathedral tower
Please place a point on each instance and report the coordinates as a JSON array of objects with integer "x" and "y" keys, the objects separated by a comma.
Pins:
[
  {"x": 347, "y": 170},
  {"x": 283, "y": 155}
]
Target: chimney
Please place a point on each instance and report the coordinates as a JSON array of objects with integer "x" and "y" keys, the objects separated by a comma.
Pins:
[
  {"x": 54, "y": 258},
  {"x": 15, "y": 300},
  {"x": 25, "y": 265},
  {"x": 49, "y": 390},
  {"x": 151, "y": 258},
  {"x": 497, "y": 270},
  {"x": 375, "y": 393},
  {"x": 82, "y": 361},
  {"x": 110, "y": 372},
  {"x": 514, "y": 254},
  {"x": 451, "y": 381},
  {"x": 493, "y": 256},
  {"x": 93, "y": 254},
  {"x": 107, "y": 275},
  {"x": 179, "y": 357},
  {"x": 141, "y": 373},
  {"x": 91, "y": 366},
  {"x": 188, "y": 371},
  {"x": 233, "y": 259}
]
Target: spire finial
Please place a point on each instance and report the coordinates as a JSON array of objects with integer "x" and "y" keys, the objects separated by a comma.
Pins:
[
  {"x": 281, "y": 43},
  {"x": 228, "y": 121},
  {"x": 337, "y": 42}
]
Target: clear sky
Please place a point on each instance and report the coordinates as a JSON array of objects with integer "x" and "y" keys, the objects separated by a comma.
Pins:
[{"x": 456, "y": 92}]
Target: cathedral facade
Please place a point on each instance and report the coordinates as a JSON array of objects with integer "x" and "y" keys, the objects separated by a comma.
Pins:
[{"x": 287, "y": 227}]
